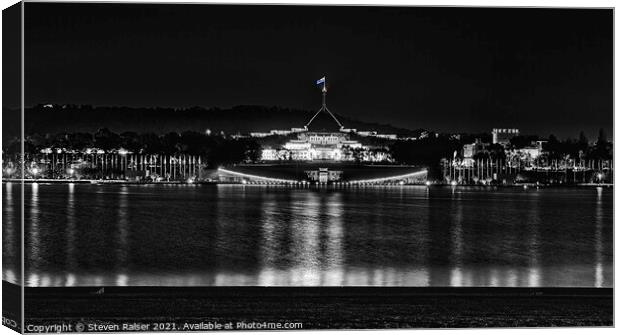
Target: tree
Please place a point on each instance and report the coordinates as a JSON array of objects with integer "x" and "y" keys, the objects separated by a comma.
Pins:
[
  {"x": 81, "y": 141},
  {"x": 583, "y": 140},
  {"x": 553, "y": 147},
  {"x": 150, "y": 143},
  {"x": 496, "y": 151},
  {"x": 253, "y": 151},
  {"x": 428, "y": 151},
  {"x": 14, "y": 146},
  {"x": 193, "y": 142},
  {"x": 582, "y": 145},
  {"x": 602, "y": 149},
  {"x": 131, "y": 141},
  {"x": 602, "y": 138},
  {"x": 171, "y": 143},
  {"x": 106, "y": 140}
]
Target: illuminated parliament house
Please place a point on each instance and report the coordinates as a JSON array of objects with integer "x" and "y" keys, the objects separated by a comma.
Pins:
[
  {"x": 323, "y": 138},
  {"x": 323, "y": 148}
]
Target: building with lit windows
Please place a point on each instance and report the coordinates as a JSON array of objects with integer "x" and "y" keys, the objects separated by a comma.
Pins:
[
  {"x": 321, "y": 152},
  {"x": 503, "y": 135},
  {"x": 323, "y": 138}
]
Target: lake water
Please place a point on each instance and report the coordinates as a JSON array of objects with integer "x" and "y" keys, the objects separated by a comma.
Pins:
[{"x": 192, "y": 235}]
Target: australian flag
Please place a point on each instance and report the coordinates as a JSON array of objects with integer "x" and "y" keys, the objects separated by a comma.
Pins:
[{"x": 320, "y": 81}]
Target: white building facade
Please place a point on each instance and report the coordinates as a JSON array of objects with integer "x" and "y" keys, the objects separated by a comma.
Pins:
[{"x": 310, "y": 146}]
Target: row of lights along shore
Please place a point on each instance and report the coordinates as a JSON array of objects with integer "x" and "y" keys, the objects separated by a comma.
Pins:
[{"x": 343, "y": 183}]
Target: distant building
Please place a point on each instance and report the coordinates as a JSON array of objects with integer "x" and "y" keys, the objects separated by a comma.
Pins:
[
  {"x": 532, "y": 152},
  {"x": 324, "y": 138},
  {"x": 316, "y": 145},
  {"x": 269, "y": 154},
  {"x": 239, "y": 136},
  {"x": 259, "y": 134},
  {"x": 387, "y": 136},
  {"x": 527, "y": 154},
  {"x": 324, "y": 175},
  {"x": 372, "y": 133},
  {"x": 503, "y": 135},
  {"x": 540, "y": 144},
  {"x": 367, "y": 133},
  {"x": 280, "y": 132},
  {"x": 470, "y": 150}
]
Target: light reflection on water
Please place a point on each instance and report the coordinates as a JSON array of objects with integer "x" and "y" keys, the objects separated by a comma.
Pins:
[
  {"x": 598, "y": 237},
  {"x": 85, "y": 235},
  {"x": 533, "y": 222},
  {"x": 483, "y": 276},
  {"x": 34, "y": 246},
  {"x": 456, "y": 278},
  {"x": 71, "y": 228},
  {"x": 123, "y": 231},
  {"x": 10, "y": 233}
]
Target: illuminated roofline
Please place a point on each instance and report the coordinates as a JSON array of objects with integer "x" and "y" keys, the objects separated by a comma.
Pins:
[
  {"x": 256, "y": 177},
  {"x": 376, "y": 180}
]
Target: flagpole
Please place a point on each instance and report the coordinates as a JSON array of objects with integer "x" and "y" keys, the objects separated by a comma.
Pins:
[
  {"x": 324, "y": 106},
  {"x": 324, "y": 91}
]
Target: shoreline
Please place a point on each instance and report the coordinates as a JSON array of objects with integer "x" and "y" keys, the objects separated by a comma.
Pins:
[
  {"x": 128, "y": 182},
  {"x": 325, "y": 307}
]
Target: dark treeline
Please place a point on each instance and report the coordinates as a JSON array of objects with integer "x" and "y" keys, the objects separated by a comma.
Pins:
[
  {"x": 216, "y": 148},
  {"x": 580, "y": 148},
  {"x": 44, "y": 119},
  {"x": 426, "y": 151}
]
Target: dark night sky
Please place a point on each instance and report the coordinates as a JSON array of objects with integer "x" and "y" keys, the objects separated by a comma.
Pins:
[{"x": 448, "y": 69}]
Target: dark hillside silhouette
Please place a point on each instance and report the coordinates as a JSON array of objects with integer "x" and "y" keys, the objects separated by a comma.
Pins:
[{"x": 243, "y": 119}]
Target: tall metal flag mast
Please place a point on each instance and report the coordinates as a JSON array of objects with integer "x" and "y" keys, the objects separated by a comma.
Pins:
[{"x": 324, "y": 106}]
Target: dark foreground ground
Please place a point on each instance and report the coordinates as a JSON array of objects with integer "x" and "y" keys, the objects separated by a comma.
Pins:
[{"x": 334, "y": 307}]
